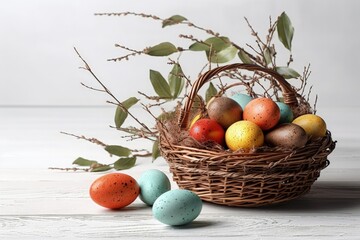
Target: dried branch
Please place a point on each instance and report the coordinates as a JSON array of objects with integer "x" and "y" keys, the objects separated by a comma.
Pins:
[
  {"x": 87, "y": 67},
  {"x": 92, "y": 140},
  {"x": 126, "y": 57}
]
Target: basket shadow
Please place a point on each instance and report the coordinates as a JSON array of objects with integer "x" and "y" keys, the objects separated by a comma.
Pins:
[{"x": 323, "y": 197}]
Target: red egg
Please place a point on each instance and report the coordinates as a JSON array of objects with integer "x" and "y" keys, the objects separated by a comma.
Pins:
[
  {"x": 207, "y": 130},
  {"x": 262, "y": 111},
  {"x": 114, "y": 190}
]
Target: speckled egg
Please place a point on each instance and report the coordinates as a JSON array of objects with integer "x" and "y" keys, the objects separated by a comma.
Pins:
[
  {"x": 244, "y": 135},
  {"x": 264, "y": 112},
  {"x": 286, "y": 135},
  {"x": 286, "y": 114},
  {"x": 177, "y": 207},
  {"x": 241, "y": 99},
  {"x": 114, "y": 190},
  {"x": 152, "y": 184}
]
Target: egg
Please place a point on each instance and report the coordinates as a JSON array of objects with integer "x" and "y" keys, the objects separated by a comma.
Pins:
[
  {"x": 287, "y": 135},
  {"x": 286, "y": 114},
  {"x": 314, "y": 125},
  {"x": 224, "y": 111},
  {"x": 264, "y": 112},
  {"x": 152, "y": 184},
  {"x": 177, "y": 207},
  {"x": 114, "y": 190},
  {"x": 241, "y": 99},
  {"x": 244, "y": 135}
]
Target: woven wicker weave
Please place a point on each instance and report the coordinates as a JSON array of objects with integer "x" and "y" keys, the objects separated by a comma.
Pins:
[{"x": 260, "y": 177}]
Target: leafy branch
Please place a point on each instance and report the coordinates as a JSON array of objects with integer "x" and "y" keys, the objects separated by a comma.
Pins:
[
  {"x": 218, "y": 50},
  {"x": 126, "y": 158}
]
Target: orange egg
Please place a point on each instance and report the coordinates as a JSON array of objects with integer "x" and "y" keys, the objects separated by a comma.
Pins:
[
  {"x": 264, "y": 112},
  {"x": 114, "y": 190}
]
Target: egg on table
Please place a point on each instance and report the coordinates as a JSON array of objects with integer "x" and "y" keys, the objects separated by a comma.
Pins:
[
  {"x": 114, "y": 190},
  {"x": 177, "y": 207},
  {"x": 152, "y": 184}
]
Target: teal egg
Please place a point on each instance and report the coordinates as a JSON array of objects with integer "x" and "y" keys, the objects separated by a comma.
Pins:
[
  {"x": 241, "y": 99},
  {"x": 177, "y": 207},
  {"x": 286, "y": 114},
  {"x": 152, "y": 183}
]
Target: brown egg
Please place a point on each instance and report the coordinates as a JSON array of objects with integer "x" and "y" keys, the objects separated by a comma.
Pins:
[
  {"x": 287, "y": 135},
  {"x": 224, "y": 110}
]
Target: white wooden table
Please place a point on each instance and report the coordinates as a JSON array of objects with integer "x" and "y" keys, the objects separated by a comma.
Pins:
[{"x": 38, "y": 203}]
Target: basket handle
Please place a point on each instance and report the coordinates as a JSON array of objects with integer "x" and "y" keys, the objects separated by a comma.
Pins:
[{"x": 289, "y": 95}]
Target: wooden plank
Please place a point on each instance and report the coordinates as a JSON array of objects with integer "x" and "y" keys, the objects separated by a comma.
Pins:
[
  {"x": 37, "y": 203},
  {"x": 112, "y": 226}
]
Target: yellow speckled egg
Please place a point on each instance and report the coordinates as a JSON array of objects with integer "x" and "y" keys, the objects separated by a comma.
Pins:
[{"x": 244, "y": 135}]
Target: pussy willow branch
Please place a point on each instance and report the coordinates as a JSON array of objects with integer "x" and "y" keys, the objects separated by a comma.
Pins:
[
  {"x": 70, "y": 169},
  {"x": 87, "y": 68},
  {"x": 188, "y": 23},
  {"x": 304, "y": 79},
  {"x": 267, "y": 45},
  {"x": 92, "y": 140},
  {"x": 98, "y": 142},
  {"x": 126, "y": 57}
]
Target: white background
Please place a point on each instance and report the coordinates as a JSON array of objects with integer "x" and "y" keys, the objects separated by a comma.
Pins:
[{"x": 38, "y": 65}]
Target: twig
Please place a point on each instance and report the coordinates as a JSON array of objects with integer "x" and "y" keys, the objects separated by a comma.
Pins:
[
  {"x": 70, "y": 169},
  {"x": 126, "y": 57},
  {"x": 92, "y": 140},
  {"x": 92, "y": 88},
  {"x": 87, "y": 67}
]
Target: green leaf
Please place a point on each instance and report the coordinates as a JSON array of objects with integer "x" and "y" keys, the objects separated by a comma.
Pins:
[
  {"x": 198, "y": 46},
  {"x": 84, "y": 162},
  {"x": 173, "y": 20},
  {"x": 214, "y": 43},
  {"x": 285, "y": 30},
  {"x": 210, "y": 92},
  {"x": 155, "y": 150},
  {"x": 287, "y": 72},
  {"x": 244, "y": 57},
  {"x": 125, "y": 163},
  {"x": 128, "y": 103},
  {"x": 118, "y": 150},
  {"x": 100, "y": 168},
  {"x": 160, "y": 85},
  {"x": 223, "y": 56},
  {"x": 267, "y": 56},
  {"x": 176, "y": 82},
  {"x": 162, "y": 49},
  {"x": 121, "y": 114}
]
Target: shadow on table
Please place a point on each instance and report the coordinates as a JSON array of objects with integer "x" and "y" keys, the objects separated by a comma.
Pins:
[
  {"x": 324, "y": 196},
  {"x": 195, "y": 224}
]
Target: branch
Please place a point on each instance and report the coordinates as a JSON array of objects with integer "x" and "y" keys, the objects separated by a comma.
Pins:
[
  {"x": 126, "y": 57},
  {"x": 92, "y": 140},
  {"x": 87, "y": 67}
]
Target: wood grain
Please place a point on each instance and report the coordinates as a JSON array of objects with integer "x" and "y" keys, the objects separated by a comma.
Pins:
[{"x": 37, "y": 203}]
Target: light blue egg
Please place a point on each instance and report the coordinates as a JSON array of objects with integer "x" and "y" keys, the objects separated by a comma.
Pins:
[
  {"x": 241, "y": 99},
  {"x": 152, "y": 184},
  {"x": 177, "y": 207},
  {"x": 286, "y": 114}
]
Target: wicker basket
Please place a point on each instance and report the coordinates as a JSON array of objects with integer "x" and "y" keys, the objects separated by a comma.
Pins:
[{"x": 259, "y": 177}]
